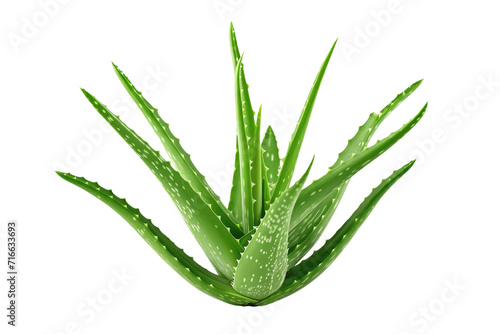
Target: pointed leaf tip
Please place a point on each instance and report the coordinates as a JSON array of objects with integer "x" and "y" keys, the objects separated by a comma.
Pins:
[
  {"x": 180, "y": 158},
  {"x": 334, "y": 43},
  {"x": 306, "y": 174},
  {"x": 411, "y": 163},
  {"x": 401, "y": 171},
  {"x": 209, "y": 283}
]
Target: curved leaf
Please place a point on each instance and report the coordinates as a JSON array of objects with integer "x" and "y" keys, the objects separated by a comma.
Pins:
[
  {"x": 204, "y": 280},
  {"x": 309, "y": 269},
  {"x": 306, "y": 233},
  {"x": 320, "y": 189},
  {"x": 216, "y": 240}
]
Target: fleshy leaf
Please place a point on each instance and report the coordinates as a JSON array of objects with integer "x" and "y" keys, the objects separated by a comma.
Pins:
[
  {"x": 266, "y": 190},
  {"x": 235, "y": 195},
  {"x": 271, "y": 156},
  {"x": 206, "y": 281},
  {"x": 295, "y": 144},
  {"x": 216, "y": 240},
  {"x": 262, "y": 267},
  {"x": 180, "y": 158},
  {"x": 365, "y": 132},
  {"x": 270, "y": 165},
  {"x": 256, "y": 174},
  {"x": 257, "y": 242},
  {"x": 309, "y": 269},
  {"x": 307, "y": 233},
  {"x": 246, "y": 105},
  {"x": 304, "y": 235},
  {"x": 320, "y": 189},
  {"x": 244, "y": 158}
]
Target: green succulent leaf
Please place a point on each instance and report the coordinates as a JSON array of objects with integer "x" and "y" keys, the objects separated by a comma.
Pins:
[
  {"x": 246, "y": 105},
  {"x": 270, "y": 166},
  {"x": 256, "y": 174},
  {"x": 235, "y": 196},
  {"x": 244, "y": 157},
  {"x": 262, "y": 267},
  {"x": 238, "y": 203},
  {"x": 216, "y": 240},
  {"x": 304, "y": 235},
  {"x": 180, "y": 158},
  {"x": 292, "y": 153},
  {"x": 204, "y": 280},
  {"x": 365, "y": 132},
  {"x": 266, "y": 190},
  {"x": 309, "y": 269},
  {"x": 271, "y": 157},
  {"x": 257, "y": 243},
  {"x": 320, "y": 189}
]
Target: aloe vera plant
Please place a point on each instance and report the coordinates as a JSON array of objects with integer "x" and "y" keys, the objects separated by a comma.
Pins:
[{"x": 257, "y": 243}]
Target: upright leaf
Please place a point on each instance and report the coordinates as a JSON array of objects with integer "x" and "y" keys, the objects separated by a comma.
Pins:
[
  {"x": 270, "y": 166},
  {"x": 271, "y": 156},
  {"x": 246, "y": 105},
  {"x": 266, "y": 191},
  {"x": 244, "y": 155},
  {"x": 256, "y": 174},
  {"x": 235, "y": 201},
  {"x": 298, "y": 135},
  {"x": 234, "y": 205},
  {"x": 262, "y": 267}
]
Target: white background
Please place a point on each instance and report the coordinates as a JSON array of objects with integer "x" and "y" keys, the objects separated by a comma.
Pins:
[{"x": 438, "y": 226}]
